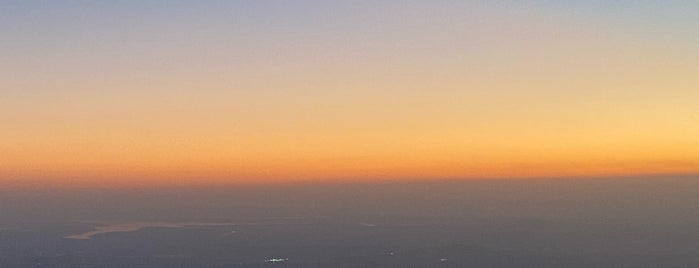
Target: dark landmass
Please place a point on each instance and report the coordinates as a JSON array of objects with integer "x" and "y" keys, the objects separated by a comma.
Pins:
[{"x": 621, "y": 222}]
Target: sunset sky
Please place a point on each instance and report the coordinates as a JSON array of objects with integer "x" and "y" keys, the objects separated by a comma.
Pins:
[{"x": 121, "y": 92}]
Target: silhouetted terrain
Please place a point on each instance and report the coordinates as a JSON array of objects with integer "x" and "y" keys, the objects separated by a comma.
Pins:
[{"x": 624, "y": 222}]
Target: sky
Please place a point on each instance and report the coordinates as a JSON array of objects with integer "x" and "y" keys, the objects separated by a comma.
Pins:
[{"x": 166, "y": 92}]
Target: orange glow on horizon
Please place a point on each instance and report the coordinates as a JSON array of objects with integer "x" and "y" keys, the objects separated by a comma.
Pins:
[{"x": 425, "y": 91}]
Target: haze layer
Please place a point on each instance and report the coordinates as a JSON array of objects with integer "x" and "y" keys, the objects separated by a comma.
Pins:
[{"x": 249, "y": 91}]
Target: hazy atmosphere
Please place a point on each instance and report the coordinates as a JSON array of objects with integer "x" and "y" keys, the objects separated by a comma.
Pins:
[
  {"x": 183, "y": 91},
  {"x": 349, "y": 133}
]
